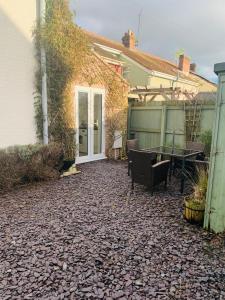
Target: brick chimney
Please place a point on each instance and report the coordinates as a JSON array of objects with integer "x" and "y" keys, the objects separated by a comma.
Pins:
[
  {"x": 129, "y": 39},
  {"x": 184, "y": 64},
  {"x": 193, "y": 67}
]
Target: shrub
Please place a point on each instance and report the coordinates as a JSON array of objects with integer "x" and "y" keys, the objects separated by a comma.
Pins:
[
  {"x": 25, "y": 164},
  {"x": 10, "y": 170}
]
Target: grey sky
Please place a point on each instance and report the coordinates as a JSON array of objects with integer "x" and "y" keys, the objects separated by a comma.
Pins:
[{"x": 197, "y": 26}]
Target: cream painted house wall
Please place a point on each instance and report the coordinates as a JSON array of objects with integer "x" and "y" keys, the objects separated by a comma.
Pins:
[
  {"x": 157, "y": 82},
  {"x": 17, "y": 66}
]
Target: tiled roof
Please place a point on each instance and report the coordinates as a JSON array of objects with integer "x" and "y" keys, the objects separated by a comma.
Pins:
[{"x": 147, "y": 60}]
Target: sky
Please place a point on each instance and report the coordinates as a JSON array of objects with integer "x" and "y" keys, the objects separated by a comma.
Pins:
[{"x": 167, "y": 26}]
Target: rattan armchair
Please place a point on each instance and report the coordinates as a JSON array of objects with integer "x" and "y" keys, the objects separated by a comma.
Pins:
[
  {"x": 195, "y": 146},
  {"x": 190, "y": 164},
  {"x": 131, "y": 145},
  {"x": 145, "y": 172},
  {"x": 198, "y": 147}
]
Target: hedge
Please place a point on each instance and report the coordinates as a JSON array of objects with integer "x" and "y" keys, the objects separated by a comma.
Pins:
[{"x": 31, "y": 163}]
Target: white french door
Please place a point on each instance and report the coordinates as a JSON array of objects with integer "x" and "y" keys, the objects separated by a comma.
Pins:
[{"x": 90, "y": 124}]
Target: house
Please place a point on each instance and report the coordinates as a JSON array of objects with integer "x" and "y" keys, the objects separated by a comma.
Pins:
[
  {"x": 143, "y": 69},
  {"x": 100, "y": 93},
  {"x": 17, "y": 61}
]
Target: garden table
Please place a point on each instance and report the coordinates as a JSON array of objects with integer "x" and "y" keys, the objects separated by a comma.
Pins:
[{"x": 182, "y": 154}]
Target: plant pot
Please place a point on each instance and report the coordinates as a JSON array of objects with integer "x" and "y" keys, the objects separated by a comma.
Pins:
[
  {"x": 67, "y": 164},
  {"x": 193, "y": 212}
]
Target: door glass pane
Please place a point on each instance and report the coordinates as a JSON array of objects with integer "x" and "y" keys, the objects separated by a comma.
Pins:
[
  {"x": 97, "y": 123},
  {"x": 83, "y": 123}
]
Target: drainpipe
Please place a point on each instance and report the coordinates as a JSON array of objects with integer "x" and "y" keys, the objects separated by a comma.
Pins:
[{"x": 44, "y": 95}]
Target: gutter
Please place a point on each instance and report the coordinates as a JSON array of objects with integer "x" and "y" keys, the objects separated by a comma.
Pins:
[
  {"x": 44, "y": 96},
  {"x": 174, "y": 78}
]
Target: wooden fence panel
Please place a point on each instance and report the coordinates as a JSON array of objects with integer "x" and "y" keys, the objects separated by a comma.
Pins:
[{"x": 158, "y": 123}]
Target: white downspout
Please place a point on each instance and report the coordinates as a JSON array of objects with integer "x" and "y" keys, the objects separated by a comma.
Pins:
[{"x": 44, "y": 95}]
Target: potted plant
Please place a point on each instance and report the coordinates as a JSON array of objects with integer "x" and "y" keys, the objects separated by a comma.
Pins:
[{"x": 194, "y": 204}]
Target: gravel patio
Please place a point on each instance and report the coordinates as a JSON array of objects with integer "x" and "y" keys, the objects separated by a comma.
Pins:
[{"x": 87, "y": 237}]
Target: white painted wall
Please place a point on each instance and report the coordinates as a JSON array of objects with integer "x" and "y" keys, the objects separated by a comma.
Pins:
[{"x": 17, "y": 66}]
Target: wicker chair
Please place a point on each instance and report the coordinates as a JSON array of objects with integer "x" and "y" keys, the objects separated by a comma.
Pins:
[
  {"x": 198, "y": 147},
  {"x": 144, "y": 172},
  {"x": 190, "y": 165},
  {"x": 195, "y": 146},
  {"x": 131, "y": 145},
  {"x": 195, "y": 166}
]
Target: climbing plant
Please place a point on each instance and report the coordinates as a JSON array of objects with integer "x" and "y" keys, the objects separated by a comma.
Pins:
[
  {"x": 99, "y": 73},
  {"x": 71, "y": 60},
  {"x": 116, "y": 104},
  {"x": 66, "y": 47}
]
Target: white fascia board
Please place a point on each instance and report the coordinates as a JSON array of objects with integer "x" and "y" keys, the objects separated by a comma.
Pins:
[
  {"x": 112, "y": 61},
  {"x": 174, "y": 78},
  {"x": 112, "y": 50},
  {"x": 189, "y": 82},
  {"x": 164, "y": 75}
]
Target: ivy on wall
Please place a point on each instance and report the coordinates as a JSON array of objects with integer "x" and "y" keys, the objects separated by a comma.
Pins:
[
  {"x": 98, "y": 73},
  {"x": 69, "y": 59},
  {"x": 66, "y": 47}
]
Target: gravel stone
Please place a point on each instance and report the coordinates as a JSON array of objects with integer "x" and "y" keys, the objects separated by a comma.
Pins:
[{"x": 89, "y": 236}]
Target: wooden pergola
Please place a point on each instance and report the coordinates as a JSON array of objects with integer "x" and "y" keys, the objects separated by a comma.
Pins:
[{"x": 167, "y": 93}]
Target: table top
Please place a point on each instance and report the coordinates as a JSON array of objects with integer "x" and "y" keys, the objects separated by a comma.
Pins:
[{"x": 176, "y": 152}]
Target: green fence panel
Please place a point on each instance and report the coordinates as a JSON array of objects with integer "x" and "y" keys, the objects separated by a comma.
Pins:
[
  {"x": 159, "y": 123},
  {"x": 207, "y": 118}
]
